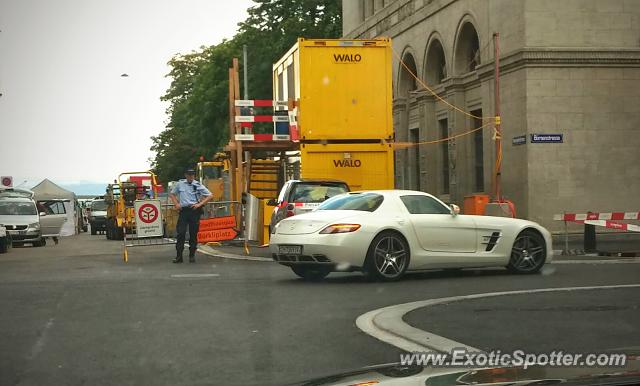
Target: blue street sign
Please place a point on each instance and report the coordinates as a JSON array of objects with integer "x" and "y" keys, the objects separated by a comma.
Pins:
[{"x": 546, "y": 138}]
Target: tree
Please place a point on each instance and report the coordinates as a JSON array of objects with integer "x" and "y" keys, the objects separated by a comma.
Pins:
[{"x": 198, "y": 95}]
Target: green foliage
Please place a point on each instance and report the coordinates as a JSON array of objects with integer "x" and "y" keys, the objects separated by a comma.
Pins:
[{"x": 198, "y": 95}]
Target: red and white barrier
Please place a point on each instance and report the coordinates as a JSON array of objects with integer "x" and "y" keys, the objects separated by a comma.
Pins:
[
  {"x": 597, "y": 216},
  {"x": 259, "y": 103},
  {"x": 614, "y": 225},
  {"x": 262, "y": 118},
  {"x": 262, "y": 137}
]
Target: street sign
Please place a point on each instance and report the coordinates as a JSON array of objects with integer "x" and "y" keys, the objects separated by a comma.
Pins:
[
  {"x": 217, "y": 229},
  {"x": 546, "y": 138},
  {"x": 519, "y": 140},
  {"x": 217, "y": 235},
  {"x": 6, "y": 181},
  {"x": 215, "y": 223},
  {"x": 148, "y": 218}
]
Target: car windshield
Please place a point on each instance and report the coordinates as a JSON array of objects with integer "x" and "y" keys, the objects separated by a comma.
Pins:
[
  {"x": 316, "y": 192},
  {"x": 98, "y": 206},
  {"x": 17, "y": 208},
  {"x": 367, "y": 202}
]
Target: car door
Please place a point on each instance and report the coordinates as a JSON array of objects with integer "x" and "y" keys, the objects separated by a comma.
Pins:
[
  {"x": 437, "y": 230},
  {"x": 54, "y": 216}
]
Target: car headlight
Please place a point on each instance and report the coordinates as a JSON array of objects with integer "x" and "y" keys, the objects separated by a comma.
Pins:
[
  {"x": 35, "y": 225},
  {"x": 340, "y": 228}
]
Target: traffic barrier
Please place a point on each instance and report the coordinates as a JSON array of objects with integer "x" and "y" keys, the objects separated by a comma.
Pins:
[{"x": 593, "y": 219}]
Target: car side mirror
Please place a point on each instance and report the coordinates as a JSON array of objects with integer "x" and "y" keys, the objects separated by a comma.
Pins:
[
  {"x": 272, "y": 202},
  {"x": 42, "y": 214},
  {"x": 455, "y": 210}
]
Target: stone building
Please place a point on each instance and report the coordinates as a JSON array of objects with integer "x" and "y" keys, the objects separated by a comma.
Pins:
[{"x": 568, "y": 67}]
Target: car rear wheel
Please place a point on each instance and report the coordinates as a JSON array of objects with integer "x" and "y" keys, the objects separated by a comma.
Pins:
[
  {"x": 311, "y": 273},
  {"x": 528, "y": 253},
  {"x": 388, "y": 257},
  {"x": 94, "y": 231}
]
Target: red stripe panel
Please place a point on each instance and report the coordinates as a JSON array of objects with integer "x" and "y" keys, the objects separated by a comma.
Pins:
[
  {"x": 298, "y": 204},
  {"x": 246, "y": 124},
  {"x": 263, "y": 103},
  {"x": 593, "y": 216},
  {"x": 263, "y": 137},
  {"x": 569, "y": 217},
  {"x": 263, "y": 118},
  {"x": 616, "y": 225}
]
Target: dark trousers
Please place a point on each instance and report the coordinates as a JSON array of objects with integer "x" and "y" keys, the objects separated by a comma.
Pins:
[{"x": 188, "y": 217}]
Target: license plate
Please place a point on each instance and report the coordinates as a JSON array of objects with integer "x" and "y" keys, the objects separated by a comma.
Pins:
[
  {"x": 22, "y": 233},
  {"x": 290, "y": 249}
]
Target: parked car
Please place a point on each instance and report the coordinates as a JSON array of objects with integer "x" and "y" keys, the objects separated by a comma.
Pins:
[
  {"x": 19, "y": 216},
  {"x": 98, "y": 216},
  {"x": 387, "y": 233},
  {"x": 5, "y": 239},
  {"x": 302, "y": 196}
]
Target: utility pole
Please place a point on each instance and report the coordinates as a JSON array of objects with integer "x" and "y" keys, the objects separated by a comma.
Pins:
[
  {"x": 498, "y": 134},
  {"x": 245, "y": 71}
]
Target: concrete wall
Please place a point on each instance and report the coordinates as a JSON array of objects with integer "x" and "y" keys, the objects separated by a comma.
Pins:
[
  {"x": 597, "y": 168},
  {"x": 582, "y": 23}
]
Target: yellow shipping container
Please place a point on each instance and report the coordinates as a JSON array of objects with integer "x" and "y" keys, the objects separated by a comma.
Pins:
[
  {"x": 363, "y": 166},
  {"x": 343, "y": 87}
]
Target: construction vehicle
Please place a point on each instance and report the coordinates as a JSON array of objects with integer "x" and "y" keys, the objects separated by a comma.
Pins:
[{"x": 120, "y": 197}]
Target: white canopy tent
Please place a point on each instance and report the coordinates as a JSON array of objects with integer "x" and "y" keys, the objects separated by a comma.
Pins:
[{"x": 47, "y": 190}]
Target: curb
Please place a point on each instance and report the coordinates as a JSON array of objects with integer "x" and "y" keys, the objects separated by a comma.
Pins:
[
  {"x": 387, "y": 323},
  {"x": 231, "y": 256}
]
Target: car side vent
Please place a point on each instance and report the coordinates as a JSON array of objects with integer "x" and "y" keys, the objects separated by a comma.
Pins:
[{"x": 491, "y": 241}]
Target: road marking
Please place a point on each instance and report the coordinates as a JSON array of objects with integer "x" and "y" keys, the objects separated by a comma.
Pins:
[
  {"x": 603, "y": 261},
  {"x": 193, "y": 275},
  {"x": 386, "y": 324},
  {"x": 39, "y": 345}
]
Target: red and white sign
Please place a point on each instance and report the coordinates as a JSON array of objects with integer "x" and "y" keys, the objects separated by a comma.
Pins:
[
  {"x": 147, "y": 213},
  {"x": 6, "y": 181},
  {"x": 148, "y": 218}
]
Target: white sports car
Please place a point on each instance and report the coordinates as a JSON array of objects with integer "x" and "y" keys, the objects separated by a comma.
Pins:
[{"x": 387, "y": 233}]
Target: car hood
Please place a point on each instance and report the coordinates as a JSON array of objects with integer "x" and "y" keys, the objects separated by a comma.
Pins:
[
  {"x": 315, "y": 221},
  {"x": 19, "y": 219},
  {"x": 397, "y": 374}
]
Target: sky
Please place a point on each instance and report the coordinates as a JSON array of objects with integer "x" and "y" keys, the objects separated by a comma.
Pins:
[{"x": 65, "y": 112}]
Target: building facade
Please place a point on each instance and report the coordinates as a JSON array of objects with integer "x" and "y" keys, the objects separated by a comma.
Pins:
[{"x": 569, "y": 71}]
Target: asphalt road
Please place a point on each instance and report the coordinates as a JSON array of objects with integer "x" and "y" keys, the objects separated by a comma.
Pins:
[{"x": 76, "y": 314}]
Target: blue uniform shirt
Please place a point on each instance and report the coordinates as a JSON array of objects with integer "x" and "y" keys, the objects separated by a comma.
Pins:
[{"x": 189, "y": 193}]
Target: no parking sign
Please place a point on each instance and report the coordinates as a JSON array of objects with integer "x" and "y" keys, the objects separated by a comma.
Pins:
[{"x": 148, "y": 218}]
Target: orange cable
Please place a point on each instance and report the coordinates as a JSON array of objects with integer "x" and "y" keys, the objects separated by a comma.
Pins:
[{"x": 441, "y": 99}]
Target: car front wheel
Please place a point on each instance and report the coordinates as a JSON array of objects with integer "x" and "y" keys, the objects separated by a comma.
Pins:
[
  {"x": 528, "y": 253},
  {"x": 311, "y": 273},
  {"x": 388, "y": 257}
]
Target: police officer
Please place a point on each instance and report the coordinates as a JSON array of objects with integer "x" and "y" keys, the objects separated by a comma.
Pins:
[{"x": 188, "y": 196}]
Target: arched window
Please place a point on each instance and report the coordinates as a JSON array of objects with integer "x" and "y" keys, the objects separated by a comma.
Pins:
[
  {"x": 467, "y": 54},
  {"x": 436, "y": 65},
  {"x": 407, "y": 82}
]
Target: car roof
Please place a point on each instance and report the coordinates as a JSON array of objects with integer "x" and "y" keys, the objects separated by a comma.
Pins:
[{"x": 395, "y": 192}]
